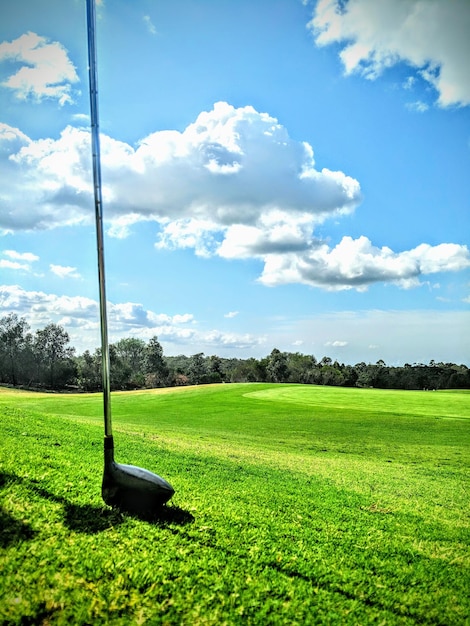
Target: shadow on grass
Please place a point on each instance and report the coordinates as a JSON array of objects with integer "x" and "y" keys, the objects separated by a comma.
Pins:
[
  {"x": 86, "y": 518},
  {"x": 167, "y": 515},
  {"x": 82, "y": 518},
  {"x": 13, "y": 530}
]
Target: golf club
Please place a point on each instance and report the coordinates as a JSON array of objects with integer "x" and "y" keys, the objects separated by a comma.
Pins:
[{"x": 126, "y": 487}]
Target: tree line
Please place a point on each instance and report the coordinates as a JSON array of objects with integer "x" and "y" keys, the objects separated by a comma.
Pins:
[{"x": 46, "y": 360}]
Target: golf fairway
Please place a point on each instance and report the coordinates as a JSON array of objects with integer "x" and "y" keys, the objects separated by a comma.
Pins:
[{"x": 294, "y": 505}]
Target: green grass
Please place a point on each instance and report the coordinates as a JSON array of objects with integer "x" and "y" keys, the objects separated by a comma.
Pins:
[{"x": 294, "y": 505}]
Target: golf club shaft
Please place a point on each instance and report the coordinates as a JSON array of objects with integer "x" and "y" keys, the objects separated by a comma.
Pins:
[{"x": 95, "y": 146}]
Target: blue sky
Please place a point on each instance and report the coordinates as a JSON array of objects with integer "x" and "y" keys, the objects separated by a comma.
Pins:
[{"x": 275, "y": 174}]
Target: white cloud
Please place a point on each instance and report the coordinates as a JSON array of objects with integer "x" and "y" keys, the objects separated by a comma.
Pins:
[
  {"x": 39, "y": 307},
  {"x": 21, "y": 260},
  {"x": 45, "y": 72},
  {"x": 45, "y": 183},
  {"x": 274, "y": 232},
  {"x": 356, "y": 263},
  {"x": 64, "y": 271},
  {"x": 409, "y": 83},
  {"x": 232, "y": 184},
  {"x": 81, "y": 118},
  {"x": 231, "y": 314},
  {"x": 397, "y": 337},
  {"x": 14, "y": 265},
  {"x": 232, "y": 166},
  {"x": 198, "y": 234},
  {"x": 418, "y": 106},
  {"x": 148, "y": 23},
  {"x": 216, "y": 339},
  {"x": 29, "y": 257},
  {"x": 11, "y": 138},
  {"x": 80, "y": 317},
  {"x": 394, "y": 336},
  {"x": 431, "y": 36}
]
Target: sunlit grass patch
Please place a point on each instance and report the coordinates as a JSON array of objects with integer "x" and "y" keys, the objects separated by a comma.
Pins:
[{"x": 285, "y": 512}]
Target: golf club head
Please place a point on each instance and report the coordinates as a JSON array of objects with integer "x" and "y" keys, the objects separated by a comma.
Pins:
[{"x": 133, "y": 489}]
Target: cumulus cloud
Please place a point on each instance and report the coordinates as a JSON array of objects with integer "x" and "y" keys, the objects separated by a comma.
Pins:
[
  {"x": 430, "y": 36},
  {"x": 356, "y": 263},
  {"x": 231, "y": 314},
  {"x": 40, "y": 308},
  {"x": 14, "y": 265},
  {"x": 18, "y": 260},
  {"x": 233, "y": 184},
  {"x": 337, "y": 344},
  {"x": 231, "y": 166},
  {"x": 81, "y": 118},
  {"x": 29, "y": 257},
  {"x": 80, "y": 317},
  {"x": 64, "y": 271},
  {"x": 45, "y": 69},
  {"x": 274, "y": 232},
  {"x": 11, "y": 138},
  {"x": 216, "y": 339},
  {"x": 45, "y": 183},
  {"x": 198, "y": 234}
]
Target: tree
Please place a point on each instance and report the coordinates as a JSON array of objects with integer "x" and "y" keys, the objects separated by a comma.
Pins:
[
  {"x": 277, "y": 366},
  {"x": 89, "y": 371},
  {"x": 350, "y": 376},
  {"x": 197, "y": 368},
  {"x": 154, "y": 364},
  {"x": 131, "y": 352},
  {"x": 460, "y": 377},
  {"x": 119, "y": 370},
  {"x": 249, "y": 371},
  {"x": 330, "y": 375},
  {"x": 215, "y": 374},
  {"x": 52, "y": 352},
  {"x": 301, "y": 367},
  {"x": 178, "y": 369},
  {"x": 12, "y": 342}
]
